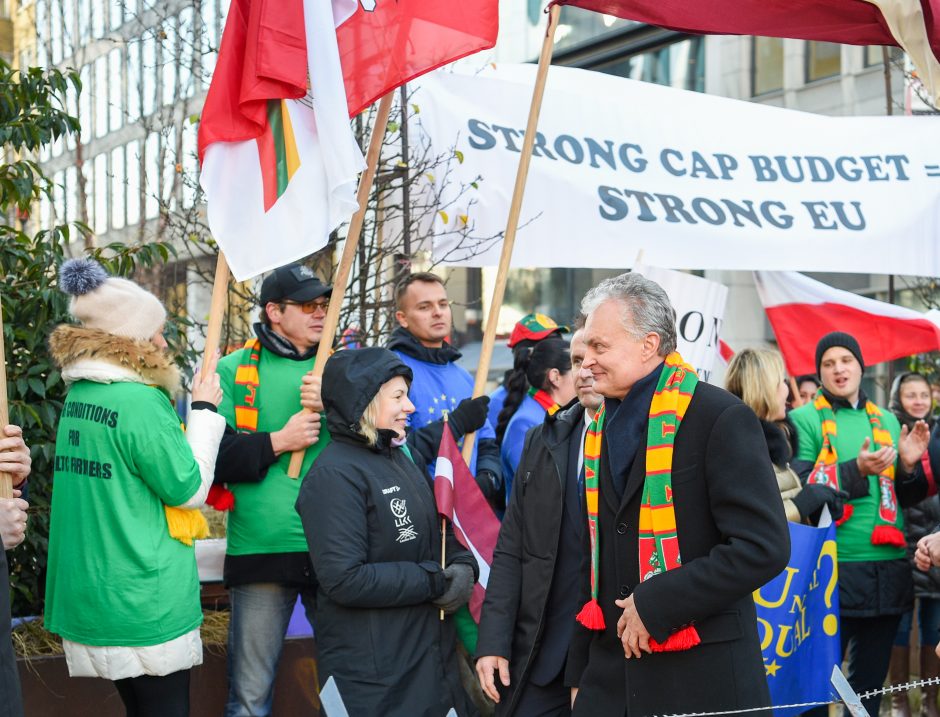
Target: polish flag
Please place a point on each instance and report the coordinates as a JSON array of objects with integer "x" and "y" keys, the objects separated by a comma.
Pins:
[
  {"x": 460, "y": 500},
  {"x": 802, "y": 310}
]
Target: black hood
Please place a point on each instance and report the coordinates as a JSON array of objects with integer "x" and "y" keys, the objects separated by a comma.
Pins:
[
  {"x": 403, "y": 340},
  {"x": 351, "y": 380}
]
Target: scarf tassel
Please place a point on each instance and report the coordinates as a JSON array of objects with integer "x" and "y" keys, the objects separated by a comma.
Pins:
[
  {"x": 684, "y": 639},
  {"x": 186, "y": 525},
  {"x": 887, "y": 535},
  {"x": 591, "y": 615},
  {"x": 220, "y": 498},
  {"x": 847, "y": 511}
]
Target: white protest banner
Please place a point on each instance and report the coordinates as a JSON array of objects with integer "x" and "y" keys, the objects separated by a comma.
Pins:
[
  {"x": 695, "y": 180},
  {"x": 700, "y": 311}
]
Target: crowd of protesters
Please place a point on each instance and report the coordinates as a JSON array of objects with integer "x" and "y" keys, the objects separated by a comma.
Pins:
[{"x": 601, "y": 453}]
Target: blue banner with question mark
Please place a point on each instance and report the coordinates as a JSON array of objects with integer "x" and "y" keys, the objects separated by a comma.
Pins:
[{"x": 798, "y": 620}]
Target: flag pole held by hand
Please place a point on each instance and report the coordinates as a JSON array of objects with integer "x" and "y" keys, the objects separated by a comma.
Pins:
[
  {"x": 331, "y": 322},
  {"x": 515, "y": 209},
  {"x": 6, "y": 480}
]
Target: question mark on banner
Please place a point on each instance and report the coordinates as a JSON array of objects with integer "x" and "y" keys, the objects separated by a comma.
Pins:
[{"x": 830, "y": 622}]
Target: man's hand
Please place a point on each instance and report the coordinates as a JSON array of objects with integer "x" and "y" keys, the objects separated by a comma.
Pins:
[
  {"x": 927, "y": 553},
  {"x": 206, "y": 383},
  {"x": 300, "y": 431},
  {"x": 912, "y": 444},
  {"x": 486, "y": 667},
  {"x": 310, "y": 393},
  {"x": 872, "y": 463},
  {"x": 13, "y": 520},
  {"x": 574, "y": 690},
  {"x": 631, "y": 630},
  {"x": 14, "y": 455}
]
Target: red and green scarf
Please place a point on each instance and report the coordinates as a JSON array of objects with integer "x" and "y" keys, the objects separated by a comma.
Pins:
[
  {"x": 247, "y": 383},
  {"x": 658, "y": 535},
  {"x": 544, "y": 400},
  {"x": 826, "y": 471}
]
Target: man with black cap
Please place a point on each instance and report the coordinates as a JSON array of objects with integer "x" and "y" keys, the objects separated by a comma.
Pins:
[
  {"x": 852, "y": 445},
  {"x": 267, "y": 564}
]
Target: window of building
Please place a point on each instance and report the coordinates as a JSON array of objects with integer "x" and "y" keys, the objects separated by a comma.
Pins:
[
  {"x": 134, "y": 183},
  {"x": 116, "y": 14},
  {"x": 118, "y": 188},
  {"x": 169, "y": 59},
  {"x": 874, "y": 55},
  {"x": 58, "y": 196},
  {"x": 71, "y": 106},
  {"x": 84, "y": 104},
  {"x": 681, "y": 65},
  {"x": 823, "y": 59},
  {"x": 68, "y": 27},
  {"x": 169, "y": 156},
  {"x": 98, "y": 13},
  {"x": 188, "y": 39},
  {"x": 148, "y": 73},
  {"x": 88, "y": 173},
  {"x": 116, "y": 89},
  {"x": 766, "y": 65},
  {"x": 55, "y": 30},
  {"x": 151, "y": 176},
  {"x": 190, "y": 164},
  {"x": 101, "y": 194},
  {"x": 42, "y": 33},
  {"x": 45, "y": 212},
  {"x": 133, "y": 81},
  {"x": 71, "y": 194},
  {"x": 84, "y": 21},
  {"x": 101, "y": 96}
]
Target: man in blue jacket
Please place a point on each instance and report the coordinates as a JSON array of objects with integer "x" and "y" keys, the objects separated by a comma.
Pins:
[{"x": 439, "y": 384}]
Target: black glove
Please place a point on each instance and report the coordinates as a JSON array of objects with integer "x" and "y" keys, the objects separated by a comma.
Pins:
[
  {"x": 814, "y": 496},
  {"x": 490, "y": 484},
  {"x": 459, "y": 588},
  {"x": 470, "y": 414}
]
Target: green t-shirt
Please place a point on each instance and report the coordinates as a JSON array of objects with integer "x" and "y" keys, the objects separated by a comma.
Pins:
[
  {"x": 115, "y": 576},
  {"x": 264, "y": 519},
  {"x": 852, "y": 428}
]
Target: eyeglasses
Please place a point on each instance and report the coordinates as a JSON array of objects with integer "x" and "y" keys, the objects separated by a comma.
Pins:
[{"x": 310, "y": 307}]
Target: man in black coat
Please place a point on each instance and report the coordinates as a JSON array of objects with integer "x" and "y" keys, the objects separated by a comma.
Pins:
[
  {"x": 533, "y": 588},
  {"x": 731, "y": 526}
]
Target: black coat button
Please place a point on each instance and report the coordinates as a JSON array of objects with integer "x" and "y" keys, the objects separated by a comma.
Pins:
[
  {"x": 624, "y": 591},
  {"x": 622, "y": 528}
]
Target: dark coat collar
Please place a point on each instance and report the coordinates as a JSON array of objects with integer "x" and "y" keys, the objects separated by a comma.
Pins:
[{"x": 404, "y": 341}]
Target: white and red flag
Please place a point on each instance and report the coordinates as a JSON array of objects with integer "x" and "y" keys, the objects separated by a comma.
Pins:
[
  {"x": 278, "y": 155},
  {"x": 460, "y": 500},
  {"x": 913, "y": 25},
  {"x": 386, "y": 43},
  {"x": 802, "y": 310}
]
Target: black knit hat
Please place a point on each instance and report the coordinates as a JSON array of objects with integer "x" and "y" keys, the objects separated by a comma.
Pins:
[{"x": 842, "y": 339}]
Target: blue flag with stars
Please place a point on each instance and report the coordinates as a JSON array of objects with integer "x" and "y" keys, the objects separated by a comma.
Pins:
[{"x": 798, "y": 621}]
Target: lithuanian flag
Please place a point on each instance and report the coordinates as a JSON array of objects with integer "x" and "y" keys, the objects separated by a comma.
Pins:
[{"x": 278, "y": 156}]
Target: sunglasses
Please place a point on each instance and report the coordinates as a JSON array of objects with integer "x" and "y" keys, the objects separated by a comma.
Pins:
[{"x": 310, "y": 307}]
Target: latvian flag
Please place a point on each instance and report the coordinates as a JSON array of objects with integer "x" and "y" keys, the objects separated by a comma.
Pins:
[
  {"x": 279, "y": 159},
  {"x": 460, "y": 501}
]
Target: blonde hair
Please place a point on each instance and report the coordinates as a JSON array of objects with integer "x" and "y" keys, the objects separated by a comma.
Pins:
[
  {"x": 367, "y": 423},
  {"x": 754, "y": 376}
]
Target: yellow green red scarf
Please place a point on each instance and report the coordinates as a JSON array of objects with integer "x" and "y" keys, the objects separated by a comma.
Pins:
[
  {"x": 826, "y": 471},
  {"x": 544, "y": 400},
  {"x": 658, "y": 535}
]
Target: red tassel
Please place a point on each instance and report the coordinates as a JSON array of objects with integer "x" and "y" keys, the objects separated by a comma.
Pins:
[
  {"x": 847, "y": 511},
  {"x": 684, "y": 639},
  {"x": 591, "y": 616},
  {"x": 220, "y": 498},
  {"x": 887, "y": 535}
]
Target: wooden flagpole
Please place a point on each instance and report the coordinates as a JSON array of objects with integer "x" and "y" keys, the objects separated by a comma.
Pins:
[
  {"x": 6, "y": 480},
  {"x": 515, "y": 209},
  {"x": 216, "y": 309},
  {"x": 341, "y": 280}
]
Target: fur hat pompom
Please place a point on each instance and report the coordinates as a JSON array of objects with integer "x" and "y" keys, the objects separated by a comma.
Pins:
[{"x": 79, "y": 276}]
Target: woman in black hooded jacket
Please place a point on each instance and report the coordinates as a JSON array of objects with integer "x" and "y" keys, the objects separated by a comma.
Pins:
[{"x": 375, "y": 541}]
